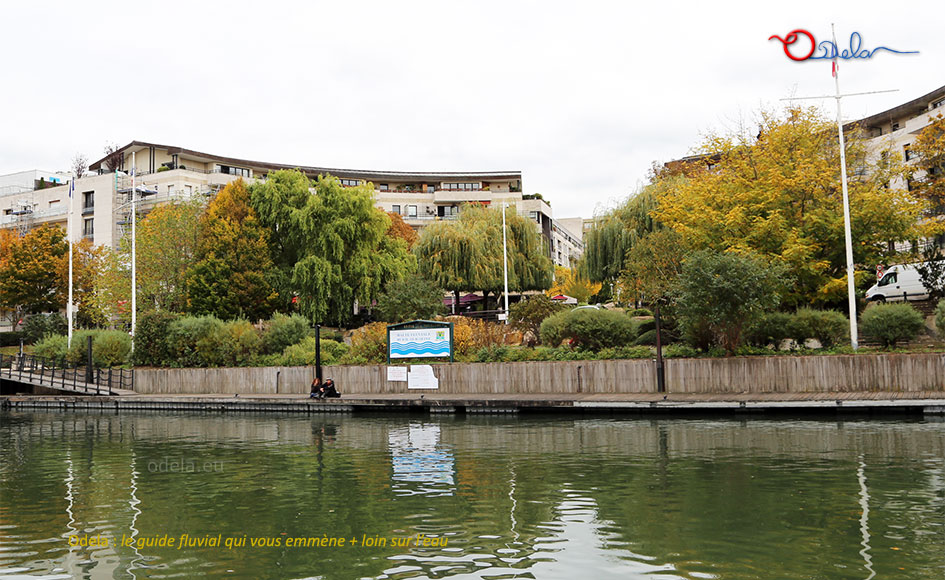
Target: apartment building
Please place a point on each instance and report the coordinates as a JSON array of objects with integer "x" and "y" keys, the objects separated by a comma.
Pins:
[
  {"x": 899, "y": 126},
  {"x": 101, "y": 203}
]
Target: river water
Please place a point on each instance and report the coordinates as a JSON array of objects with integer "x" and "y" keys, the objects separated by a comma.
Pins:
[{"x": 89, "y": 496}]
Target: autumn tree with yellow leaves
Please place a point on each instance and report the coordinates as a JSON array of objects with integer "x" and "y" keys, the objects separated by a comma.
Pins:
[{"x": 776, "y": 194}]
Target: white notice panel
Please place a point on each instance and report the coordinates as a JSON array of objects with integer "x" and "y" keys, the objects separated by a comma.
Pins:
[
  {"x": 422, "y": 377},
  {"x": 396, "y": 373}
]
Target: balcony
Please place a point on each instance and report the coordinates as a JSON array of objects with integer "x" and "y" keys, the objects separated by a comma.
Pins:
[{"x": 462, "y": 196}]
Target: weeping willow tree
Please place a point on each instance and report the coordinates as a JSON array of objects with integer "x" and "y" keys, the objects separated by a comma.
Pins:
[
  {"x": 330, "y": 249},
  {"x": 465, "y": 255},
  {"x": 607, "y": 245}
]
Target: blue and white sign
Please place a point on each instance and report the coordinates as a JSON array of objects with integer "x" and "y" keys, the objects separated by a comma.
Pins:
[{"x": 419, "y": 342}]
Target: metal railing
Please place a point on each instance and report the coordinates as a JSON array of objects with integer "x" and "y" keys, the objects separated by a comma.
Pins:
[{"x": 57, "y": 374}]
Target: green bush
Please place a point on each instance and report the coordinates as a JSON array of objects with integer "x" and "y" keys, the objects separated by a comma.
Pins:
[
  {"x": 770, "y": 328},
  {"x": 10, "y": 338},
  {"x": 39, "y": 325},
  {"x": 679, "y": 351},
  {"x": 190, "y": 340},
  {"x": 111, "y": 348},
  {"x": 78, "y": 352},
  {"x": 52, "y": 346},
  {"x": 724, "y": 293},
  {"x": 284, "y": 331},
  {"x": 625, "y": 352},
  {"x": 827, "y": 326},
  {"x": 940, "y": 317},
  {"x": 639, "y": 312},
  {"x": 648, "y": 338},
  {"x": 645, "y": 325},
  {"x": 303, "y": 353},
  {"x": 552, "y": 329},
  {"x": 890, "y": 323},
  {"x": 588, "y": 328},
  {"x": 151, "y": 344}
]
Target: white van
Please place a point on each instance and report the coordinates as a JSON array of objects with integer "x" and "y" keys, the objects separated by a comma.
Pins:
[{"x": 901, "y": 281}]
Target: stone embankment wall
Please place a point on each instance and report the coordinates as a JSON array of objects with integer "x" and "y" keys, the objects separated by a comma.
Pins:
[{"x": 765, "y": 374}]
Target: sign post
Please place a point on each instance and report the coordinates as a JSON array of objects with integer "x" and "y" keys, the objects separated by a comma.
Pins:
[{"x": 420, "y": 339}]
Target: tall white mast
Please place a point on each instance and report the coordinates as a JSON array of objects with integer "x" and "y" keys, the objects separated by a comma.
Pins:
[
  {"x": 851, "y": 287},
  {"x": 69, "y": 234},
  {"x": 134, "y": 273},
  {"x": 505, "y": 262}
]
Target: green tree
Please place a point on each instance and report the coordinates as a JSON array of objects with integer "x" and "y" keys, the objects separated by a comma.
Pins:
[
  {"x": 330, "y": 249},
  {"x": 724, "y": 293},
  {"x": 229, "y": 278},
  {"x": 466, "y": 254},
  {"x": 165, "y": 250},
  {"x": 410, "y": 299},
  {"x": 110, "y": 300},
  {"x": 30, "y": 280},
  {"x": 614, "y": 234}
]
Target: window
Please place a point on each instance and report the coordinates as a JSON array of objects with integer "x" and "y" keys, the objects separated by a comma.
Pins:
[
  {"x": 238, "y": 171},
  {"x": 88, "y": 200},
  {"x": 55, "y": 203},
  {"x": 189, "y": 189},
  {"x": 395, "y": 208},
  {"x": 170, "y": 190},
  {"x": 907, "y": 152},
  {"x": 533, "y": 215},
  {"x": 895, "y": 126},
  {"x": 938, "y": 103},
  {"x": 412, "y": 211},
  {"x": 384, "y": 187},
  {"x": 430, "y": 189},
  {"x": 461, "y": 186},
  {"x": 350, "y": 182},
  {"x": 888, "y": 279},
  {"x": 88, "y": 227}
]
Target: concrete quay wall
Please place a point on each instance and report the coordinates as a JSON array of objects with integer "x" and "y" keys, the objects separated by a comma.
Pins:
[{"x": 763, "y": 374}]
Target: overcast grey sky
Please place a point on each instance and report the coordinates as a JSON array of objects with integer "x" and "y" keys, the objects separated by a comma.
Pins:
[{"x": 580, "y": 96}]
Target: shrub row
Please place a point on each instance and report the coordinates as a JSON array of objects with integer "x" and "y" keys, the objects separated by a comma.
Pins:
[
  {"x": 110, "y": 348},
  {"x": 829, "y": 327},
  {"x": 588, "y": 329}
]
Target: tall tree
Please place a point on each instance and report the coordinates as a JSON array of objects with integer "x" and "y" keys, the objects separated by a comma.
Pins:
[
  {"x": 330, "y": 248},
  {"x": 607, "y": 244},
  {"x": 86, "y": 268},
  {"x": 110, "y": 301},
  {"x": 929, "y": 150},
  {"x": 166, "y": 248},
  {"x": 466, "y": 254},
  {"x": 30, "y": 280},
  {"x": 777, "y": 194},
  {"x": 228, "y": 279}
]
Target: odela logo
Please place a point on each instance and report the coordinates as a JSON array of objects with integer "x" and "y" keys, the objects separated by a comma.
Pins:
[{"x": 800, "y": 45}]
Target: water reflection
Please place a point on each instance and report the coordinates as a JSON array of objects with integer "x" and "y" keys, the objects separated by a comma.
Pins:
[
  {"x": 418, "y": 458},
  {"x": 525, "y": 497}
]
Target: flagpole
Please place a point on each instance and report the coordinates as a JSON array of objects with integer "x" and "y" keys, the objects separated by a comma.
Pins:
[
  {"x": 851, "y": 286},
  {"x": 69, "y": 305},
  {"x": 134, "y": 279}
]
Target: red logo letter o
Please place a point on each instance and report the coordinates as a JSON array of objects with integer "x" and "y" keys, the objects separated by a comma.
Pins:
[{"x": 791, "y": 38}]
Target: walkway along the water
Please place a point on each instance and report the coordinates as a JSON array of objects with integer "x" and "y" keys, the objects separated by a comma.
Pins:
[{"x": 919, "y": 403}]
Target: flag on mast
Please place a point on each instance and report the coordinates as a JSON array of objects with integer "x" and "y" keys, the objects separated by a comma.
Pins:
[{"x": 69, "y": 305}]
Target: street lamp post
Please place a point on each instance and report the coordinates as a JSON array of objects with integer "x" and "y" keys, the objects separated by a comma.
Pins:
[{"x": 505, "y": 262}]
